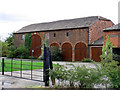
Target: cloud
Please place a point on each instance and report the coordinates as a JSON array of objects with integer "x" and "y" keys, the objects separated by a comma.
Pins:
[{"x": 5, "y": 17}]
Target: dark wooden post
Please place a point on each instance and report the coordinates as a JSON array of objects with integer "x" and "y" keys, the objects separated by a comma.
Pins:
[
  {"x": 51, "y": 65},
  {"x": 44, "y": 63},
  {"x": 3, "y": 66},
  {"x": 47, "y": 67}
]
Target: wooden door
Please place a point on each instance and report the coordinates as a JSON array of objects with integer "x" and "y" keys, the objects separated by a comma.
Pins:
[
  {"x": 36, "y": 45},
  {"x": 96, "y": 52},
  {"x": 67, "y": 52},
  {"x": 80, "y": 51}
]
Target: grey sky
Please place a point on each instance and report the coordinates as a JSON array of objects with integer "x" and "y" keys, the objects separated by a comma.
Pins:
[{"x": 15, "y": 14}]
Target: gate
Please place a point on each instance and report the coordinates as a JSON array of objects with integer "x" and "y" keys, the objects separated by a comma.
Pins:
[{"x": 29, "y": 69}]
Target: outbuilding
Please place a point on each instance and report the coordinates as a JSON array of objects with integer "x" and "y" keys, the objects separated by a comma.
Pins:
[{"x": 78, "y": 38}]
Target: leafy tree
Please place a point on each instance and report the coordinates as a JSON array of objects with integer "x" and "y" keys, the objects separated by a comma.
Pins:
[
  {"x": 110, "y": 66},
  {"x": 28, "y": 41},
  {"x": 107, "y": 54},
  {"x": 10, "y": 39},
  {"x": 5, "y": 47},
  {"x": 18, "y": 52}
]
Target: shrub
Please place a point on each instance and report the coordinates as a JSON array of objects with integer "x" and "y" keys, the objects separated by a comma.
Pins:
[
  {"x": 56, "y": 54},
  {"x": 110, "y": 66},
  {"x": 4, "y": 49},
  {"x": 87, "y": 60},
  {"x": 28, "y": 41},
  {"x": 18, "y": 52},
  {"x": 77, "y": 76}
]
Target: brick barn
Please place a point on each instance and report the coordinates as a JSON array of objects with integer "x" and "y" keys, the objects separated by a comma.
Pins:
[
  {"x": 114, "y": 33},
  {"x": 77, "y": 38}
]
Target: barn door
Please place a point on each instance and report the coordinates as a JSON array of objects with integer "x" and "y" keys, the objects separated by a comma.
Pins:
[
  {"x": 80, "y": 51},
  {"x": 96, "y": 52},
  {"x": 35, "y": 45},
  {"x": 67, "y": 52}
]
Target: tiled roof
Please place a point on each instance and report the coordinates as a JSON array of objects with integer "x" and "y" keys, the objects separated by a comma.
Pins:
[
  {"x": 115, "y": 27},
  {"x": 98, "y": 41},
  {"x": 62, "y": 24}
]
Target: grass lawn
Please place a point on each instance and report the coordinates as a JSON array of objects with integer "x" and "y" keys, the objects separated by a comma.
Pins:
[{"x": 26, "y": 65}]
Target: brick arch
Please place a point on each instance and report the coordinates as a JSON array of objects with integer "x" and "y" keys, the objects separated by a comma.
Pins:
[
  {"x": 36, "y": 43},
  {"x": 80, "y": 51},
  {"x": 67, "y": 51},
  {"x": 55, "y": 44}
]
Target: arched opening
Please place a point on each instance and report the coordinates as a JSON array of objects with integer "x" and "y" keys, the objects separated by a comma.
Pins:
[
  {"x": 55, "y": 45},
  {"x": 80, "y": 51},
  {"x": 67, "y": 52},
  {"x": 35, "y": 46}
]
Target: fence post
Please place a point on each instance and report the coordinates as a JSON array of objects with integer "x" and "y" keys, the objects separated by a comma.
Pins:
[
  {"x": 44, "y": 61},
  {"x": 21, "y": 68},
  {"x": 3, "y": 66},
  {"x": 47, "y": 67},
  {"x": 11, "y": 65},
  {"x": 51, "y": 65}
]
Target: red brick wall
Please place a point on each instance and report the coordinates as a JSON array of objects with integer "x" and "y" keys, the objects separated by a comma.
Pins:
[
  {"x": 77, "y": 35},
  {"x": 114, "y": 38},
  {"x": 18, "y": 40},
  {"x": 96, "y": 30}
]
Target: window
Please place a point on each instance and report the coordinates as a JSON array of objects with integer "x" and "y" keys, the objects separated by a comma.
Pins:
[
  {"x": 54, "y": 35},
  {"x": 23, "y": 37},
  {"x": 67, "y": 34}
]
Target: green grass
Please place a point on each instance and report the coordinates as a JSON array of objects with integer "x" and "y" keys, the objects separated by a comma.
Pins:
[{"x": 26, "y": 65}]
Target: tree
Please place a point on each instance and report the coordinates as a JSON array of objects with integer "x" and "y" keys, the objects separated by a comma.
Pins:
[
  {"x": 107, "y": 54},
  {"x": 28, "y": 42},
  {"x": 5, "y": 50},
  {"x": 10, "y": 39},
  {"x": 109, "y": 66}
]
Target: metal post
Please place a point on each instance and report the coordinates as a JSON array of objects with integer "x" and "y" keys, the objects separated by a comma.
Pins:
[
  {"x": 51, "y": 65},
  {"x": 21, "y": 68},
  {"x": 44, "y": 61},
  {"x": 32, "y": 63},
  {"x": 2, "y": 66},
  {"x": 11, "y": 65},
  {"x": 47, "y": 67}
]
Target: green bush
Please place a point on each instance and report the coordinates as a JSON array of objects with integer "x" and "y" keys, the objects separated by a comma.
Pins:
[
  {"x": 87, "y": 60},
  {"x": 4, "y": 49},
  {"x": 77, "y": 76},
  {"x": 56, "y": 54},
  {"x": 109, "y": 65},
  {"x": 28, "y": 41},
  {"x": 18, "y": 52}
]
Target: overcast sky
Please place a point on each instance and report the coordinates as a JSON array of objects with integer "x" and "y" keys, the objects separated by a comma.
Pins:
[{"x": 15, "y": 14}]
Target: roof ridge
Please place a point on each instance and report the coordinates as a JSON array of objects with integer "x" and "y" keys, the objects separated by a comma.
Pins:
[{"x": 61, "y": 24}]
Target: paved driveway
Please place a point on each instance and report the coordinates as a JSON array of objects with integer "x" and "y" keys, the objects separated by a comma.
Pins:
[{"x": 88, "y": 65}]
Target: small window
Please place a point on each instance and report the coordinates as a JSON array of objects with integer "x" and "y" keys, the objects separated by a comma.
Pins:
[
  {"x": 23, "y": 37},
  {"x": 54, "y": 35},
  {"x": 67, "y": 34}
]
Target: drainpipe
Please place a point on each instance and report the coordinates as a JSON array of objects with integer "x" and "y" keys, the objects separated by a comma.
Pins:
[{"x": 88, "y": 54}]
